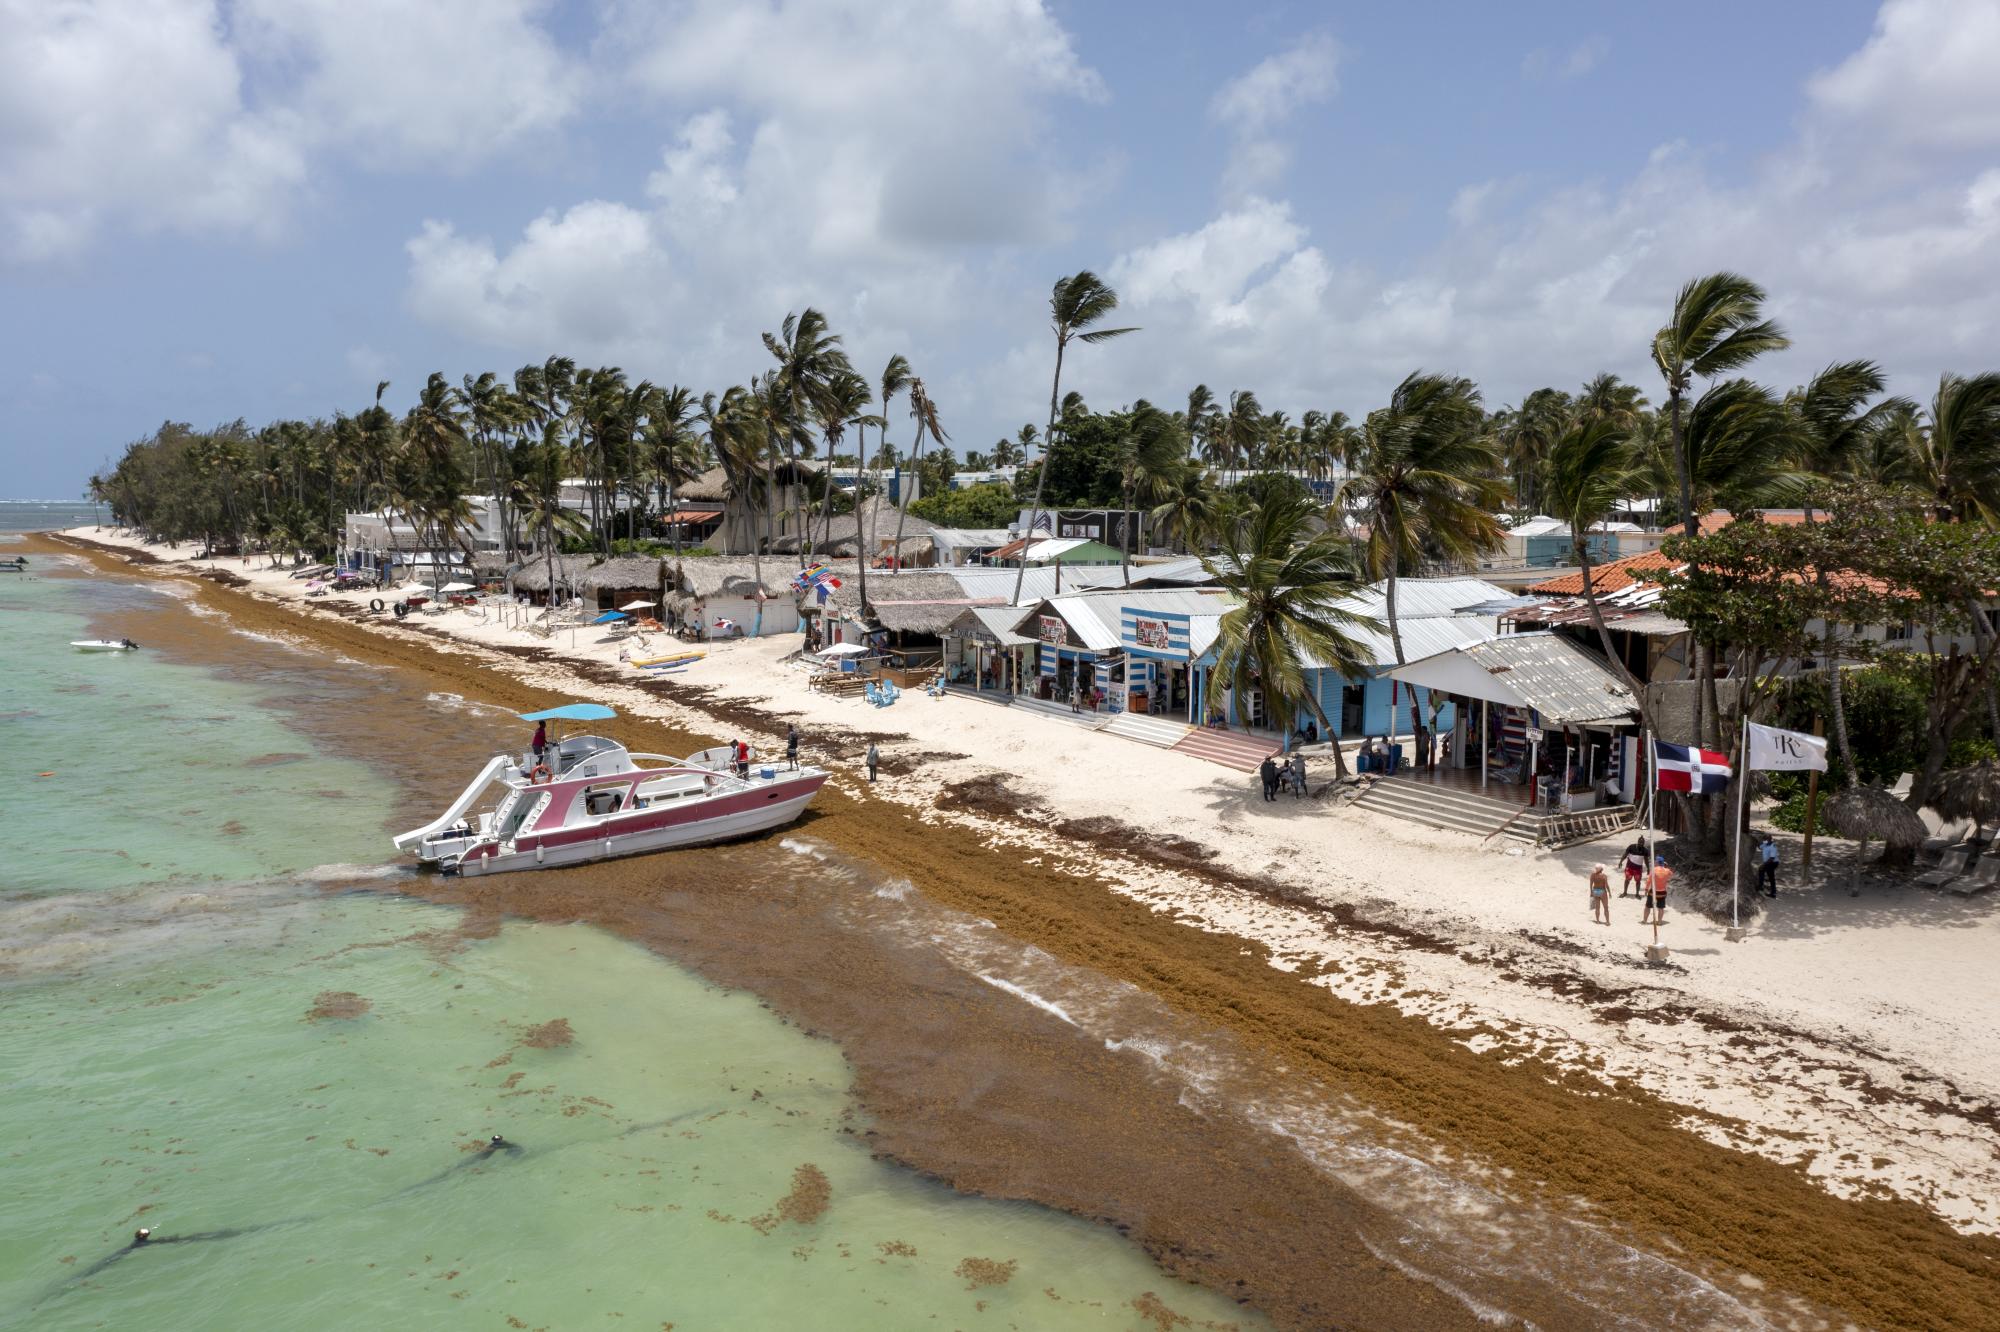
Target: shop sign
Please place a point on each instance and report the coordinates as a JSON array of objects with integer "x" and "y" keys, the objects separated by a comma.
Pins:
[
  {"x": 1053, "y": 630},
  {"x": 1152, "y": 634}
]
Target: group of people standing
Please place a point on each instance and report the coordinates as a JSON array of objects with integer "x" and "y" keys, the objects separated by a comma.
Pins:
[
  {"x": 1650, "y": 887},
  {"x": 1288, "y": 775}
]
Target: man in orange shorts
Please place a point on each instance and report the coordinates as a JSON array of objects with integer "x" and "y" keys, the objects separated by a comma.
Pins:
[{"x": 1656, "y": 902}]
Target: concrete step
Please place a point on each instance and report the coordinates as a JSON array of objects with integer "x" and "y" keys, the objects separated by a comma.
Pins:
[
  {"x": 1159, "y": 731},
  {"x": 1231, "y": 749},
  {"x": 1448, "y": 808},
  {"x": 1058, "y": 712}
]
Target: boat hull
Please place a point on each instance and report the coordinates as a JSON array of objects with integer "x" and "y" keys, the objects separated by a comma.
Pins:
[{"x": 643, "y": 832}]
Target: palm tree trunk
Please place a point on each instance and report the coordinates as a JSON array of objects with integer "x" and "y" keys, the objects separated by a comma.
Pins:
[
  {"x": 1395, "y": 631},
  {"x": 865, "y": 504},
  {"x": 1041, "y": 477},
  {"x": 1125, "y": 546},
  {"x": 1837, "y": 698},
  {"x": 1604, "y": 637},
  {"x": 902, "y": 501}
]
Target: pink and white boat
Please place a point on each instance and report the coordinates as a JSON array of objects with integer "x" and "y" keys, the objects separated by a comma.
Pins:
[{"x": 590, "y": 798}]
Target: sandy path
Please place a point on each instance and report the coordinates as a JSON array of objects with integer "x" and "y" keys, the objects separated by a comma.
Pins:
[{"x": 1821, "y": 1076}]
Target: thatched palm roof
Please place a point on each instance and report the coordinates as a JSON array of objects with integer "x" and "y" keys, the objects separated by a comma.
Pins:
[
  {"x": 623, "y": 571},
  {"x": 1969, "y": 793},
  {"x": 1871, "y": 813},
  {"x": 534, "y": 575},
  {"x": 707, "y": 576}
]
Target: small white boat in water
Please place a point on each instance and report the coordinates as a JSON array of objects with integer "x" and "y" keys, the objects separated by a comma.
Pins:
[
  {"x": 590, "y": 798},
  {"x": 104, "y": 645}
]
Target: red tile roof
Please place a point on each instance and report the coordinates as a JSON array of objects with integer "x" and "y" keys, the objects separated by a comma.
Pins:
[
  {"x": 1612, "y": 577},
  {"x": 1716, "y": 519}
]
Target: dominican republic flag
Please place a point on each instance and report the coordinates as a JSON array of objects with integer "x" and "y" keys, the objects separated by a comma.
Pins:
[{"x": 1685, "y": 768}]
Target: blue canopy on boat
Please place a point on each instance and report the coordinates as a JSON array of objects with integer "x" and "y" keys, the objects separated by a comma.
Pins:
[
  {"x": 609, "y": 616},
  {"x": 572, "y": 712}
]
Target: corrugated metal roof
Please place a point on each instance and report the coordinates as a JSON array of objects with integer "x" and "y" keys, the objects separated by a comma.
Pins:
[
  {"x": 1421, "y": 638},
  {"x": 997, "y": 623},
  {"x": 1095, "y": 616},
  {"x": 965, "y": 538},
  {"x": 1563, "y": 682},
  {"x": 1421, "y": 598},
  {"x": 980, "y": 583}
]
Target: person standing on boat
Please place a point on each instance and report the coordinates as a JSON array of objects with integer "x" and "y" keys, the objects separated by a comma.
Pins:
[
  {"x": 540, "y": 743},
  {"x": 743, "y": 759}
]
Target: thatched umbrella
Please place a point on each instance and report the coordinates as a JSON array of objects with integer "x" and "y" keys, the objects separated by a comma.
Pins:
[
  {"x": 1865, "y": 812},
  {"x": 1969, "y": 793}
]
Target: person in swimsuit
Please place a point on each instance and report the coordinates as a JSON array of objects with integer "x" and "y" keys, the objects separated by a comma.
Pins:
[{"x": 1600, "y": 895}]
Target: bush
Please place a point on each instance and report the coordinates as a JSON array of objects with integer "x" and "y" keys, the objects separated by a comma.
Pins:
[{"x": 1789, "y": 790}]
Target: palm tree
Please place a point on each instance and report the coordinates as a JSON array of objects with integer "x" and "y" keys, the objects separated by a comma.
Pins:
[
  {"x": 1075, "y": 304},
  {"x": 1832, "y": 425},
  {"x": 1718, "y": 325},
  {"x": 1151, "y": 452},
  {"x": 1423, "y": 477},
  {"x": 1288, "y": 581},
  {"x": 810, "y": 361},
  {"x": 1959, "y": 448},
  {"x": 1200, "y": 418},
  {"x": 1232, "y": 440},
  {"x": 924, "y": 412},
  {"x": 896, "y": 377},
  {"x": 673, "y": 450},
  {"x": 843, "y": 404},
  {"x": 1590, "y": 470},
  {"x": 1187, "y": 508},
  {"x": 538, "y": 493}
]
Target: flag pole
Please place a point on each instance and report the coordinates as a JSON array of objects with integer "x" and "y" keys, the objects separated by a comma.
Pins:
[{"x": 1742, "y": 810}]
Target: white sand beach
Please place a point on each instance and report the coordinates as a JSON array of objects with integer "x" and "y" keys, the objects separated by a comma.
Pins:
[{"x": 1849, "y": 1034}]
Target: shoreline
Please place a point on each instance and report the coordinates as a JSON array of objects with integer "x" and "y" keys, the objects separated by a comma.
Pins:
[{"x": 1421, "y": 1017}]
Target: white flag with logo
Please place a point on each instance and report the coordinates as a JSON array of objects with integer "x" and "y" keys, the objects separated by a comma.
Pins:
[{"x": 1786, "y": 751}]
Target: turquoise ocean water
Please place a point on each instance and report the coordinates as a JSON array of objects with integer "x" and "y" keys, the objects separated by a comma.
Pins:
[{"x": 187, "y": 874}]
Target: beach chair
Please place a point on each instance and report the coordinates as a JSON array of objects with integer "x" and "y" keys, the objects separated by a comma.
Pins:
[
  {"x": 1951, "y": 866},
  {"x": 1985, "y": 876}
]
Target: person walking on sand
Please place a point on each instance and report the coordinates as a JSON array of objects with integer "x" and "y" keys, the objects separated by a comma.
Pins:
[
  {"x": 1767, "y": 865},
  {"x": 1269, "y": 772},
  {"x": 1655, "y": 910},
  {"x": 1296, "y": 770},
  {"x": 1635, "y": 870},
  {"x": 874, "y": 761},
  {"x": 1600, "y": 895},
  {"x": 792, "y": 745}
]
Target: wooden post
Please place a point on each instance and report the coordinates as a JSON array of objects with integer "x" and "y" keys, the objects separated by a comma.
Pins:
[
  {"x": 1812, "y": 807},
  {"x": 1485, "y": 731}
]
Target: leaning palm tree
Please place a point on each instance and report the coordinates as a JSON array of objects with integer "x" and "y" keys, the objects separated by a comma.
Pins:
[
  {"x": 1424, "y": 479},
  {"x": 1288, "y": 580},
  {"x": 924, "y": 412},
  {"x": 896, "y": 377},
  {"x": 1832, "y": 425},
  {"x": 1590, "y": 470},
  {"x": 1718, "y": 325},
  {"x": 1076, "y": 303},
  {"x": 810, "y": 362}
]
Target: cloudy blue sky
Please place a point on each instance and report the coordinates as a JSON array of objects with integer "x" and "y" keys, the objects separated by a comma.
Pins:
[{"x": 260, "y": 207}]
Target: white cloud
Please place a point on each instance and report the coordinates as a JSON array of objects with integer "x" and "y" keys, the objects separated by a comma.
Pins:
[
  {"x": 885, "y": 163},
  {"x": 1574, "y": 63},
  {"x": 169, "y": 114},
  {"x": 595, "y": 275},
  {"x": 1925, "y": 79},
  {"x": 109, "y": 112},
  {"x": 1257, "y": 103},
  {"x": 440, "y": 84},
  {"x": 1266, "y": 95}
]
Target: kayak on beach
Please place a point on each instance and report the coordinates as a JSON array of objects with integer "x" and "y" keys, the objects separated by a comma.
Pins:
[{"x": 669, "y": 661}]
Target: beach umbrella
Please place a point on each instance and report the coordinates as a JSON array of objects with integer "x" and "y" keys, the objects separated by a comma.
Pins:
[
  {"x": 609, "y": 616},
  {"x": 637, "y": 605},
  {"x": 457, "y": 587},
  {"x": 1969, "y": 793}
]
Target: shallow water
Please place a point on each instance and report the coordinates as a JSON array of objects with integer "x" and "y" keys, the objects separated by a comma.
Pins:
[{"x": 218, "y": 1017}]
